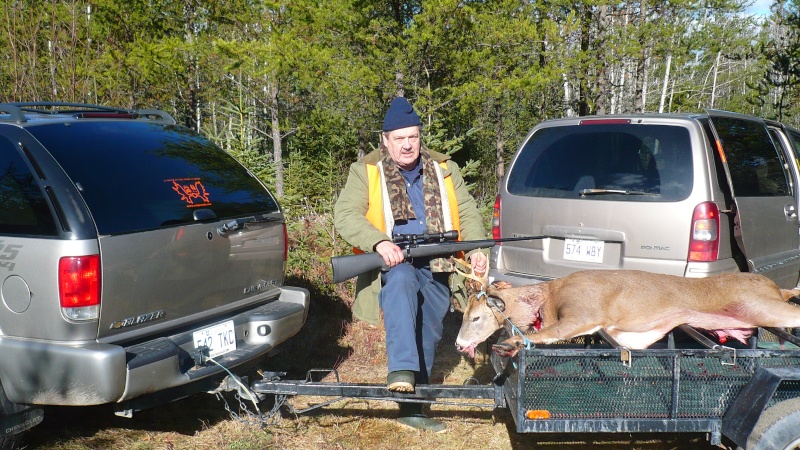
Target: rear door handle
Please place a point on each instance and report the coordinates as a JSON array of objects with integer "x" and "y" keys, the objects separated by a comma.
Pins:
[{"x": 790, "y": 212}]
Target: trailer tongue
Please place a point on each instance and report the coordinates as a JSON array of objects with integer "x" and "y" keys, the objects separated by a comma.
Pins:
[{"x": 424, "y": 393}]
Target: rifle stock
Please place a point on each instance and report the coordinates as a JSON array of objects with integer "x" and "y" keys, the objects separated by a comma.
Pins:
[{"x": 349, "y": 266}]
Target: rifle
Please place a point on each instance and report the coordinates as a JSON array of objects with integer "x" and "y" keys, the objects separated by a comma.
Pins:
[{"x": 414, "y": 246}]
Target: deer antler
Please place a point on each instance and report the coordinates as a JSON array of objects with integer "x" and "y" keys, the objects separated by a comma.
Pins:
[{"x": 483, "y": 280}]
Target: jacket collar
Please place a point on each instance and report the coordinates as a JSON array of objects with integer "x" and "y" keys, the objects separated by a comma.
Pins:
[{"x": 374, "y": 157}]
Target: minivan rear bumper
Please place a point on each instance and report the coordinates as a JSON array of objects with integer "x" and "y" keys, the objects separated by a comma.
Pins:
[
  {"x": 63, "y": 373},
  {"x": 499, "y": 272}
]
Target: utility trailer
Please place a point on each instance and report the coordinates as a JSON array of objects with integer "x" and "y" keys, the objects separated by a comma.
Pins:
[{"x": 684, "y": 383}]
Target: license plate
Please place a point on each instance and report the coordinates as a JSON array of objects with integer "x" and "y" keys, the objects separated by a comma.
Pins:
[
  {"x": 583, "y": 250},
  {"x": 220, "y": 338}
]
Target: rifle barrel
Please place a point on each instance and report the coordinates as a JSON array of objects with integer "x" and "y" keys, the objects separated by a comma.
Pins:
[{"x": 349, "y": 266}]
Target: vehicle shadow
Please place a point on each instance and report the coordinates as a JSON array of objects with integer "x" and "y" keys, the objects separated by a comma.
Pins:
[
  {"x": 316, "y": 345},
  {"x": 91, "y": 424}
]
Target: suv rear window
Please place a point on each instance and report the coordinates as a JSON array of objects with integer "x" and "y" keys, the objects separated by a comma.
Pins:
[
  {"x": 23, "y": 208},
  {"x": 153, "y": 175},
  {"x": 651, "y": 163}
]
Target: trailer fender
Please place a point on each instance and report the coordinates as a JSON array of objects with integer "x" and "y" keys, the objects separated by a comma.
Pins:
[{"x": 741, "y": 418}]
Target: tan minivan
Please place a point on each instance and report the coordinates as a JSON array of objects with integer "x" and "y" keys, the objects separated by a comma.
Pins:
[{"x": 690, "y": 195}]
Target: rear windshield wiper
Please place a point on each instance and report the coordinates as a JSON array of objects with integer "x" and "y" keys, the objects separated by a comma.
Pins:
[
  {"x": 585, "y": 192},
  {"x": 236, "y": 224}
]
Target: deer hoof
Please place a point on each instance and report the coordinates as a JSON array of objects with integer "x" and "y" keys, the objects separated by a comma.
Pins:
[{"x": 505, "y": 350}]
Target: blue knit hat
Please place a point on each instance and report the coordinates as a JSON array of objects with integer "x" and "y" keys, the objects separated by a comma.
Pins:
[{"x": 400, "y": 115}]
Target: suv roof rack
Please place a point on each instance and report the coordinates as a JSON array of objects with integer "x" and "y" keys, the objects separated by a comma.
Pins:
[{"x": 17, "y": 110}]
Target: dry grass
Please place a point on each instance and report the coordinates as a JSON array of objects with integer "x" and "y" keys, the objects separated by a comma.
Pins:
[{"x": 330, "y": 339}]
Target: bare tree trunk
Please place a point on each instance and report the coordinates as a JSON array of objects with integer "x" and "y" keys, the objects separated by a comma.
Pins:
[
  {"x": 641, "y": 65},
  {"x": 88, "y": 90},
  {"x": 51, "y": 61},
  {"x": 583, "y": 88},
  {"x": 601, "y": 102},
  {"x": 638, "y": 105},
  {"x": 612, "y": 76},
  {"x": 671, "y": 95},
  {"x": 276, "y": 138},
  {"x": 666, "y": 82},
  {"x": 567, "y": 97},
  {"x": 401, "y": 88},
  {"x": 362, "y": 144},
  {"x": 499, "y": 144},
  {"x": 624, "y": 70},
  {"x": 714, "y": 82},
  {"x": 646, "y": 79},
  {"x": 193, "y": 71},
  {"x": 623, "y": 77}
]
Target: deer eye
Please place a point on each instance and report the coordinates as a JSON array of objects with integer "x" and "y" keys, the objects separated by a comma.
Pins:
[{"x": 476, "y": 318}]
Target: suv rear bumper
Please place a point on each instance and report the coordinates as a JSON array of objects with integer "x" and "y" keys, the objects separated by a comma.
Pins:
[{"x": 50, "y": 373}]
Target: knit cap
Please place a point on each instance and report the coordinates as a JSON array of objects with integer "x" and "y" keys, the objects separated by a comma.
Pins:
[{"x": 400, "y": 115}]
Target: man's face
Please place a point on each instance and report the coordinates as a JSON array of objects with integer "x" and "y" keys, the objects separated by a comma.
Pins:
[{"x": 403, "y": 145}]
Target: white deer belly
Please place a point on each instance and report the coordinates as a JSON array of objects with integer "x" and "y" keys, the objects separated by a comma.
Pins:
[{"x": 636, "y": 340}]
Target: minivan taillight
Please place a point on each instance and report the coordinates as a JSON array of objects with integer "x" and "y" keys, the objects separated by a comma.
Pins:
[
  {"x": 704, "y": 238},
  {"x": 496, "y": 219},
  {"x": 79, "y": 286}
]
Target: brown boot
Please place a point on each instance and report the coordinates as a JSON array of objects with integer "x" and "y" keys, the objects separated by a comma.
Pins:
[{"x": 400, "y": 381}]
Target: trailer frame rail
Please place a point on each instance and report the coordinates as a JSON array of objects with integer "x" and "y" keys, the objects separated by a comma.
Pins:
[{"x": 271, "y": 383}]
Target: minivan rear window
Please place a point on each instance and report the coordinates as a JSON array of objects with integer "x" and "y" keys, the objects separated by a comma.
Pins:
[
  {"x": 138, "y": 175},
  {"x": 627, "y": 162}
]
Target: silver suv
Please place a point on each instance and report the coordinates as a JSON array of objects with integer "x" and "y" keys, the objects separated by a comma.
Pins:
[
  {"x": 690, "y": 195},
  {"x": 137, "y": 259}
]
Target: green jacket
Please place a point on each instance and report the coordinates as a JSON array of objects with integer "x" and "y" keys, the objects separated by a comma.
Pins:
[{"x": 351, "y": 223}]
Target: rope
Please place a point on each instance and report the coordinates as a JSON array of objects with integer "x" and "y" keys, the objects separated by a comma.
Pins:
[
  {"x": 236, "y": 379},
  {"x": 271, "y": 417},
  {"x": 514, "y": 328}
]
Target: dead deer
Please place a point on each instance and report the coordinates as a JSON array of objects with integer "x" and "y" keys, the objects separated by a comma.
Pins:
[{"x": 636, "y": 308}]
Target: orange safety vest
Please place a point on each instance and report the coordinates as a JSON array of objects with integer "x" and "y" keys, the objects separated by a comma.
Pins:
[{"x": 375, "y": 193}]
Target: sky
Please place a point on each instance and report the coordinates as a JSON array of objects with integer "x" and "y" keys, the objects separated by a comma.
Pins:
[{"x": 760, "y": 7}]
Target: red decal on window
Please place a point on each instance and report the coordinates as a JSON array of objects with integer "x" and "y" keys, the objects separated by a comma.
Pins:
[{"x": 191, "y": 191}]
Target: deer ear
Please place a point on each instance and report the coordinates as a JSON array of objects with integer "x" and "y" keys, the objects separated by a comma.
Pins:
[{"x": 496, "y": 303}]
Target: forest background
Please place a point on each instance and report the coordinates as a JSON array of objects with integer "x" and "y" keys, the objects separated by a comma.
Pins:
[{"x": 297, "y": 89}]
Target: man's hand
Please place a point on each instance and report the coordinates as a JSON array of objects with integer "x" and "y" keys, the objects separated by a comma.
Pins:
[
  {"x": 392, "y": 254},
  {"x": 479, "y": 263}
]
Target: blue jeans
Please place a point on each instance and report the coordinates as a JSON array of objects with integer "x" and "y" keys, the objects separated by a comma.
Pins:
[{"x": 414, "y": 302}]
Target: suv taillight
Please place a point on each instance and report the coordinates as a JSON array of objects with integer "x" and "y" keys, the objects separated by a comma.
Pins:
[
  {"x": 79, "y": 286},
  {"x": 704, "y": 238},
  {"x": 496, "y": 219}
]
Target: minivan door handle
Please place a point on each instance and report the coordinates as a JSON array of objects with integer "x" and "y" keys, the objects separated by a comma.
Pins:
[{"x": 790, "y": 212}]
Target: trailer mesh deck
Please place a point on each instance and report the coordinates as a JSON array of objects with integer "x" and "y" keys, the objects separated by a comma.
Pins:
[
  {"x": 684, "y": 383},
  {"x": 658, "y": 384}
]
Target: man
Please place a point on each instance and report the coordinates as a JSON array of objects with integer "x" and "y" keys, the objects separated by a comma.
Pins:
[{"x": 402, "y": 188}]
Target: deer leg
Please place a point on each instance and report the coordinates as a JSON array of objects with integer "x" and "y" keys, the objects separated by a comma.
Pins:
[
  {"x": 559, "y": 331},
  {"x": 510, "y": 347},
  {"x": 772, "y": 314},
  {"x": 564, "y": 329}
]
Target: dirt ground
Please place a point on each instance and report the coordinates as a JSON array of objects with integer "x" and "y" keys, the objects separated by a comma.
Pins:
[{"x": 330, "y": 339}]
